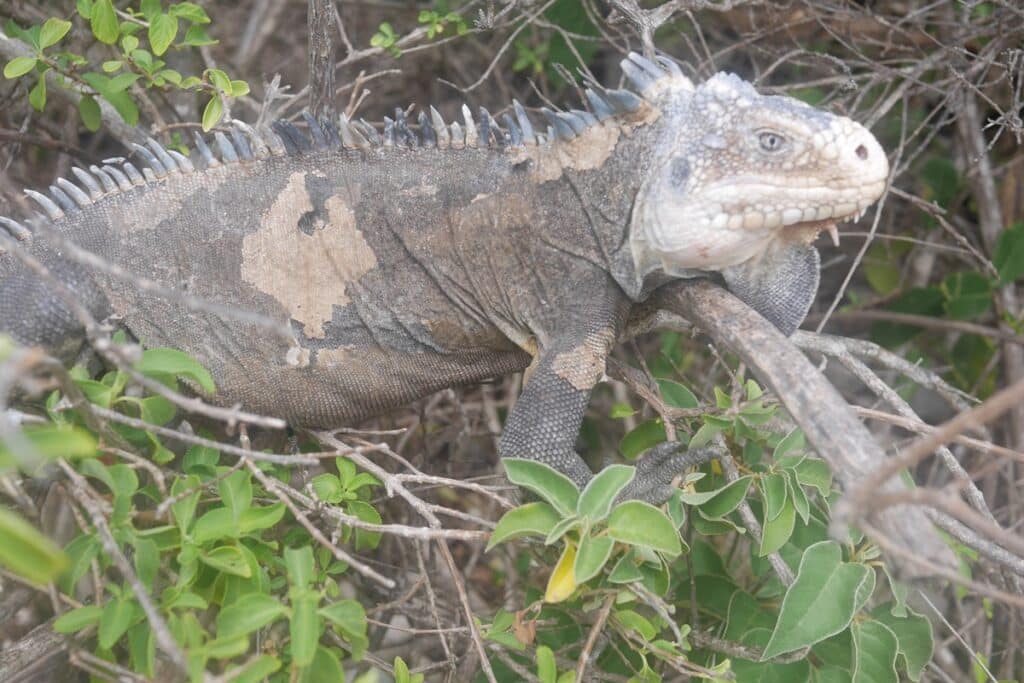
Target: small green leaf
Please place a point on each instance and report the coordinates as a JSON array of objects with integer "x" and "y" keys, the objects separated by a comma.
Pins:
[
  {"x": 236, "y": 492},
  {"x": 26, "y": 552},
  {"x": 725, "y": 499},
  {"x": 816, "y": 474},
  {"x": 249, "y": 614},
  {"x": 635, "y": 622},
  {"x": 597, "y": 498},
  {"x": 191, "y": 12},
  {"x": 53, "y": 30},
  {"x": 52, "y": 441},
  {"x": 256, "y": 670},
  {"x": 794, "y": 441},
  {"x": 626, "y": 570},
  {"x": 19, "y": 66},
  {"x": 546, "y": 482},
  {"x": 239, "y": 88},
  {"x": 37, "y": 95},
  {"x": 642, "y": 437},
  {"x": 305, "y": 626},
  {"x": 677, "y": 395},
  {"x": 118, "y": 615},
  {"x": 773, "y": 487},
  {"x": 874, "y": 652},
  {"x": 184, "y": 509},
  {"x": 227, "y": 559},
  {"x": 914, "y": 634},
  {"x": 328, "y": 488},
  {"x": 299, "y": 562},
  {"x": 820, "y": 603},
  {"x": 531, "y": 519},
  {"x": 162, "y": 361},
  {"x": 591, "y": 557},
  {"x": 777, "y": 531},
  {"x": 547, "y": 671},
  {"x": 561, "y": 528},
  {"x": 1008, "y": 255},
  {"x": 968, "y": 295},
  {"x": 212, "y": 113},
  {"x": 89, "y": 110},
  {"x": 162, "y": 30},
  {"x": 641, "y": 524},
  {"x": 348, "y": 616},
  {"x": 104, "y": 22},
  {"x": 77, "y": 619}
]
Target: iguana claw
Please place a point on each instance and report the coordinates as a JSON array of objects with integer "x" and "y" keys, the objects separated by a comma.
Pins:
[{"x": 656, "y": 470}]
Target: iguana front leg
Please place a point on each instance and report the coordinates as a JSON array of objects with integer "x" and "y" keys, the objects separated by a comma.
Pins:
[{"x": 546, "y": 419}]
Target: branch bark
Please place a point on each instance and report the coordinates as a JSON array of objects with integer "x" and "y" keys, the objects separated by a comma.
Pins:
[
  {"x": 827, "y": 420},
  {"x": 320, "y": 16}
]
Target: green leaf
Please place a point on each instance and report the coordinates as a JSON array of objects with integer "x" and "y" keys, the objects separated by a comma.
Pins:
[
  {"x": 328, "y": 488},
  {"x": 305, "y": 626},
  {"x": 641, "y": 524},
  {"x": 677, "y": 395},
  {"x": 236, "y": 492},
  {"x": 299, "y": 562},
  {"x": 26, "y": 552},
  {"x": 212, "y": 113},
  {"x": 77, "y": 619},
  {"x": 256, "y": 670},
  {"x": 220, "y": 80},
  {"x": 228, "y": 559},
  {"x": 52, "y": 441},
  {"x": 104, "y": 23},
  {"x": 37, "y": 95},
  {"x": 532, "y": 519},
  {"x": 968, "y": 295},
  {"x": 147, "y": 560},
  {"x": 774, "y": 490},
  {"x": 820, "y": 603},
  {"x": 259, "y": 518},
  {"x": 816, "y": 474},
  {"x": 642, "y": 437},
  {"x": 191, "y": 12},
  {"x": 1008, "y": 255},
  {"x": 591, "y": 557},
  {"x": 348, "y": 616},
  {"x": 118, "y": 615},
  {"x": 239, "y": 88},
  {"x": 159, "y": 361},
  {"x": 89, "y": 110},
  {"x": 597, "y": 498},
  {"x": 547, "y": 670},
  {"x": 184, "y": 509},
  {"x": 196, "y": 36},
  {"x": 725, "y": 500},
  {"x": 914, "y": 635},
  {"x": 142, "y": 649},
  {"x": 634, "y": 621},
  {"x": 797, "y": 495},
  {"x": 546, "y": 482},
  {"x": 626, "y": 570},
  {"x": 561, "y": 528},
  {"x": 874, "y": 652},
  {"x": 777, "y": 531},
  {"x": 251, "y": 613},
  {"x": 19, "y": 66},
  {"x": 794, "y": 441},
  {"x": 162, "y": 30},
  {"x": 53, "y": 30}
]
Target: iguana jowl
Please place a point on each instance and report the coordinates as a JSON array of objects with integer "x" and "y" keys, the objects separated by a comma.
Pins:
[{"x": 435, "y": 255}]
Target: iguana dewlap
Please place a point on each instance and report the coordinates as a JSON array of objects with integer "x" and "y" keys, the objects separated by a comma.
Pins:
[{"x": 440, "y": 254}]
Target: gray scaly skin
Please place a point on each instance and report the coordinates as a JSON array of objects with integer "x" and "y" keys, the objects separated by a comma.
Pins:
[{"x": 443, "y": 254}]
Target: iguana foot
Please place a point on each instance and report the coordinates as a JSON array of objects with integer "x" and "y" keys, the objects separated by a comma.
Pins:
[{"x": 656, "y": 470}]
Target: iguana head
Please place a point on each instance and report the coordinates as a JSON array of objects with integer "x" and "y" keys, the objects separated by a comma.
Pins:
[{"x": 742, "y": 184}]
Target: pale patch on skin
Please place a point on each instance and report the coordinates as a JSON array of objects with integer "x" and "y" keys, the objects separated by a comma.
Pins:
[
  {"x": 422, "y": 190},
  {"x": 588, "y": 151},
  {"x": 307, "y": 274},
  {"x": 297, "y": 356},
  {"x": 584, "y": 366},
  {"x": 333, "y": 357}
]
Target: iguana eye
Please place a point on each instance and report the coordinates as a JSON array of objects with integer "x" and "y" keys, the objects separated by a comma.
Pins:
[{"x": 771, "y": 142}]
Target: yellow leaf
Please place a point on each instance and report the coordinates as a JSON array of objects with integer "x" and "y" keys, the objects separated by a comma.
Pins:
[
  {"x": 716, "y": 468},
  {"x": 563, "y": 580}
]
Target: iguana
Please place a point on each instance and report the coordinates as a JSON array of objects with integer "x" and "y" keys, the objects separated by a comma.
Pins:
[{"x": 423, "y": 255}]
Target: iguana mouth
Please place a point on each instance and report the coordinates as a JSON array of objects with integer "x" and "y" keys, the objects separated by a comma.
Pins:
[{"x": 808, "y": 231}]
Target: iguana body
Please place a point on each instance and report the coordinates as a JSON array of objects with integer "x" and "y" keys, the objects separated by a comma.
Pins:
[{"x": 452, "y": 254}]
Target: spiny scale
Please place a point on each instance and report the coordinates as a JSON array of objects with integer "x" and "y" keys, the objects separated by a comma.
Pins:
[{"x": 283, "y": 138}]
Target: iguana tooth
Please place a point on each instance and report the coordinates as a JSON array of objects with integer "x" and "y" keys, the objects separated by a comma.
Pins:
[
  {"x": 833, "y": 232},
  {"x": 561, "y": 127},
  {"x": 162, "y": 155},
  {"x": 133, "y": 173},
  {"x": 182, "y": 161},
  {"x": 524, "y": 123},
  {"x": 624, "y": 101},
  {"x": 440, "y": 128},
  {"x": 602, "y": 110},
  {"x": 51, "y": 209},
  {"x": 426, "y": 130},
  {"x": 75, "y": 192},
  {"x": 108, "y": 182},
  {"x": 315, "y": 132},
  {"x": 458, "y": 139},
  {"x": 389, "y": 132},
  {"x": 241, "y": 145},
  {"x": 227, "y": 151},
  {"x": 17, "y": 230},
  {"x": 472, "y": 137},
  {"x": 515, "y": 136},
  {"x": 63, "y": 201},
  {"x": 119, "y": 177},
  {"x": 369, "y": 131},
  {"x": 204, "y": 151},
  {"x": 588, "y": 118},
  {"x": 95, "y": 191},
  {"x": 154, "y": 164}
]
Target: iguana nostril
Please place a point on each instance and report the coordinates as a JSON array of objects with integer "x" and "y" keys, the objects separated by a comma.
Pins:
[{"x": 862, "y": 152}]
